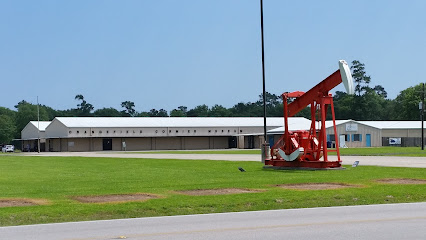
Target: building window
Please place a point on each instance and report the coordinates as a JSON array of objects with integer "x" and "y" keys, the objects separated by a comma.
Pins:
[
  {"x": 215, "y": 131},
  {"x": 127, "y": 131},
  {"x": 78, "y": 132},
  {"x": 235, "y": 131},
  {"x": 85, "y": 132},
  {"x": 189, "y": 131},
  {"x": 177, "y": 131},
  {"x": 229, "y": 131},
  {"x": 140, "y": 131},
  {"x": 195, "y": 131},
  {"x": 356, "y": 138},
  {"x": 170, "y": 131},
  {"x": 100, "y": 131},
  {"x": 93, "y": 132},
  {"x": 70, "y": 132},
  {"x": 347, "y": 137},
  {"x": 114, "y": 131},
  {"x": 241, "y": 131},
  {"x": 210, "y": 131},
  {"x": 331, "y": 137},
  {"x": 107, "y": 131}
]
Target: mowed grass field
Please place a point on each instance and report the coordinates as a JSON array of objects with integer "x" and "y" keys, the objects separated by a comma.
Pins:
[
  {"x": 56, "y": 180},
  {"x": 370, "y": 151}
]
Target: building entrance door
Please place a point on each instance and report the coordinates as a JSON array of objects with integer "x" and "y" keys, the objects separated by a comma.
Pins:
[
  {"x": 250, "y": 142},
  {"x": 368, "y": 140},
  {"x": 107, "y": 144},
  {"x": 232, "y": 142}
]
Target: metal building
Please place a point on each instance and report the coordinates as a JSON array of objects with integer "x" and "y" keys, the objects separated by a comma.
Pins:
[
  {"x": 179, "y": 133},
  {"x": 31, "y": 133},
  {"x": 355, "y": 134},
  {"x": 155, "y": 133}
]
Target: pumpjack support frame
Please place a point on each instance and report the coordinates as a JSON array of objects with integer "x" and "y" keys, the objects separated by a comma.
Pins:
[{"x": 307, "y": 149}]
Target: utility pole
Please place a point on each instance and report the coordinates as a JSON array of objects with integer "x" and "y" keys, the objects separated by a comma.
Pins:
[
  {"x": 265, "y": 148},
  {"x": 38, "y": 127},
  {"x": 423, "y": 113},
  {"x": 263, "y": 71}
]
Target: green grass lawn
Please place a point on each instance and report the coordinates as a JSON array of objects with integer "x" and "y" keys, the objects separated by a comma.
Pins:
[
  {"x": 371, "y": 151},
  {"x": 57, "y": 179},
  {"x": 384, "y": 151}
]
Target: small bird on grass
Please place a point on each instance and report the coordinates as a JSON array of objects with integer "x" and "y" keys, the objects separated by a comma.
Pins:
[{"x": 241, "y": 169}]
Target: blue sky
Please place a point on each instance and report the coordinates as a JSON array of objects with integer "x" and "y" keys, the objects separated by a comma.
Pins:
[{"x": 164, "y": 53}]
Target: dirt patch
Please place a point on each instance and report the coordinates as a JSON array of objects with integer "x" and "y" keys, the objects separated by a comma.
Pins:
[
  {"x": 316, "y": 186},
  {"x": 221, "y": 191},
  {"x": 115, "y": 198},
  {"x": 19, "y": 202},
  {"x": 402, "y": 181}
]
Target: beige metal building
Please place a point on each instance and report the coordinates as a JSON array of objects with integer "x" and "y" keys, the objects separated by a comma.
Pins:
[
  {"x": 398, "y": 133},
  {"x": 377, "y": 133},
  {"x": 132, "y": 134},
  {"x": 30, "y": 135},
  {"x": 143, "y": 133},
  {"x": 368, "y": 133},
  {"x": 354, "y": 134}
]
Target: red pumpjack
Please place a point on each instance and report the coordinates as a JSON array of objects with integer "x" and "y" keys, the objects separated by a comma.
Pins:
[{"x": 304, "y": 149}]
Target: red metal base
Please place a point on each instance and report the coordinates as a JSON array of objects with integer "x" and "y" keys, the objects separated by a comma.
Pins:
[{"x": 280, "y": 163}]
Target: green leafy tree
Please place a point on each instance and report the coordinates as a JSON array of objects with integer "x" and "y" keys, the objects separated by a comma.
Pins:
[
  {"x": 158, "y": 113},
  {"x": 143, "y": 114},
  {"x": 177, "y": 113},
  {"x": 7, "y": 129},
  {"x": 380, "y": 91},
  {"x": 343, "y": 105},
  {"x": 274, "y": 105},
  {"x": 406, "y": 105},
  {"x": 272, "y": 100},
  {"x": 129, "y": 109},
  {"x": 67, "y": 113},
  {"x": 153, "y": 112},
  {"x": 84, "y": 108},
  {"x": 184, "y": 109},
  {"x": 369, "y": 106},
  {"x": 247, "y": 110},
  {"x": 219, "y": 111},
  {"x": 51, "y": 113},
  {"x": 162, "y": 113},
  {"x": 107, "y": 112},
  {"x": 28, "y": 112},
  {"x": 360, "y": 77},
  {"x": 388, "y": 110},
  {"x": 7, "y": 112},
  {"x": 199, "y": 111}
]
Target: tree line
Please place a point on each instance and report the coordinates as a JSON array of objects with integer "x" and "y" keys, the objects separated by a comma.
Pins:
[{"x": 368, "y": 103}]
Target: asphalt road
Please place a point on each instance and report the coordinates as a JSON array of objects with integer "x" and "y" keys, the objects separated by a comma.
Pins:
[
  {"x": 389, "y": 161},
  {"x": 388, "y": 221}
]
